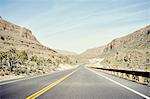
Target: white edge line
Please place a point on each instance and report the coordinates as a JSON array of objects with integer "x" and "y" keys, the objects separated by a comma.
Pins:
[
  {"x": 27, "y": 78},
  {"x": 136, "y": 92}
]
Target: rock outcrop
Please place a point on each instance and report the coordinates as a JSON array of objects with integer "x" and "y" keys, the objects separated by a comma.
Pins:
[
  {"x": 138, "y": 39},
  {"x": 16, "y": 30}
]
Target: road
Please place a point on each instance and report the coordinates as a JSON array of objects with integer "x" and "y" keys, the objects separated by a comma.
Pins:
[{"x": 81, "y": 83}]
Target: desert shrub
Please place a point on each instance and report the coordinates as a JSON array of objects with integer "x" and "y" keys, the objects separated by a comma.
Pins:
[
  {"x": 53, "y": 56},
  {"x": 2, "y": 38},
  {"x": 42, "y": 61},
  {"x": 20, "y": 70},
  {"x": 76, "y": 61},
  {"x": 23, "y": 56},
  {"x": 3, "y": 54},
  {"x": 49, "y": 60},
  {"x": 58, "y": 61},
  {"x": 34, "y": 58},
  {"x": 39, "y": 62},
  {"x": 13, "y": 51}
]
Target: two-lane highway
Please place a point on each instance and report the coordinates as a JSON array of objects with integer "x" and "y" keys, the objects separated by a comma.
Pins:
[
  {"x": 22, "y": 88},
  {"x": 79, "y": 83}
]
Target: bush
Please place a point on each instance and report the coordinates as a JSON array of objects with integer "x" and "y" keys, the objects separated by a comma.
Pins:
[
  {"x": 34, "y": 58},
  {"x": 23, "y": 56},
  {"x": 49, "y": 60},
  {"x": 2, "y": 38}
]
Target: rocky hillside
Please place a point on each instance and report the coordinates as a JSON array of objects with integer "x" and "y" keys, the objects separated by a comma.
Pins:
[
  {"x": 137, "y": 39},
  {"x": 22, "y": 54},
  {"x": 14, "y": 30},
  {"x": 129, "y": 52}
]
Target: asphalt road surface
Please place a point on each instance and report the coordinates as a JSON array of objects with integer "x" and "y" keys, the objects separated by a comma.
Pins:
[{"x": 81, "y": 83}]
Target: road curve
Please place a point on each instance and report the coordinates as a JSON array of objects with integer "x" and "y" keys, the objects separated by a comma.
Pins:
[{"x": 82, "y": 84}]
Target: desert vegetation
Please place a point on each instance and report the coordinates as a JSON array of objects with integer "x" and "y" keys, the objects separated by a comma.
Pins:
[{"x": 20, "y": 63}]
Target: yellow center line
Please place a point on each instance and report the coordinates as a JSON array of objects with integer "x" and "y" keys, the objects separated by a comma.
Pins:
[{"x": 40, "y": 92}]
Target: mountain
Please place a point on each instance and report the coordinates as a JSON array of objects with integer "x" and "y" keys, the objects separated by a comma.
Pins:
[
  {"x": 22, "y": 54},
  {"x": 20, "y": 38},
  {"x": 129, "y": 52},
  {"x": 91, "y": 53}
]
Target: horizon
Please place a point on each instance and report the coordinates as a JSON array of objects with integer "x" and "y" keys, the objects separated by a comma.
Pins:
[{"x": 73, "y": 25}]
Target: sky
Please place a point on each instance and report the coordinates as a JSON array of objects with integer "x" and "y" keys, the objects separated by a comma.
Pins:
[{"x": 77, "y": 25}]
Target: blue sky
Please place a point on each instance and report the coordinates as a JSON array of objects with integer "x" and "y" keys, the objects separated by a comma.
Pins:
[{"x": 77, "y": 25}]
